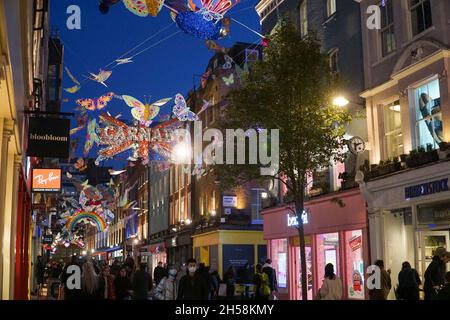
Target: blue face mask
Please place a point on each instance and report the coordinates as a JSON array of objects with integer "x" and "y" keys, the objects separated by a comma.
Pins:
[{"x": 173, "y": 272}]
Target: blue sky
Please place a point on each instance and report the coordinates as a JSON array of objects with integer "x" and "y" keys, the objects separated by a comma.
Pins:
[{"x": 159, "y": 72}]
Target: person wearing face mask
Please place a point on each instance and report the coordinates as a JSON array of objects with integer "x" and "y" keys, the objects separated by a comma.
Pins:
[
  {"x": 167, "y": 288},
  {"x": 192, "y": 286}
]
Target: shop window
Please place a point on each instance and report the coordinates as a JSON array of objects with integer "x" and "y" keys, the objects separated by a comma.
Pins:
[
  {"x": 327, "y": 252},
  {"x": 331, "y": 7},
  {"x": 387, "y": 33},
  {"x": 354, "y": 260},
  {"x": 421, "y": 17},
  {"x": 393, "y": 137},
  {"x": 303, "y": 19},
  {"x": 308, "y": 253},
  {"x": 279, "y": 260},
  {"x": 427, "y": 105}
]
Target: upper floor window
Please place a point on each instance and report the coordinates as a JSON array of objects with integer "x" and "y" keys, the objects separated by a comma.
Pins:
[
  {"x": 334, "y": 61},
  {"x": 393, "y": 137},
  {"x": 427, "y": 109},
  {"x": 421, "y": 18},
  {"x": 388, "y": 44},
  {"x": 303, "y": 19},
  {"x": 331, "y": 7}
]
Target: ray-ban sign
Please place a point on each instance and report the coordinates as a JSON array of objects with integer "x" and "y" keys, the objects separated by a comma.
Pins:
[{"x": 46, "y": 180}]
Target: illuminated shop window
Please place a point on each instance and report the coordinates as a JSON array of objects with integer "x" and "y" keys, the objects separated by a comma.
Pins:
[
  {"x": 279, "y": 260},
  {"x": 393, "y": 136},
  {"x": 354, "y": 261},
  {"x": 327, "y": 252}
]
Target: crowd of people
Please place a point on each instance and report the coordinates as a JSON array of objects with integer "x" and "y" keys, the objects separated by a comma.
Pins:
[{"x": 132, "y": 281}]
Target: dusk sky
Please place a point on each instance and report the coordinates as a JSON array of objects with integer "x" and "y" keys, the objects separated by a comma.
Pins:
[{"x": 160, "y": 72}]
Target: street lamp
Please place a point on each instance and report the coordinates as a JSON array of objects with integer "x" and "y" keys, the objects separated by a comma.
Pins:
[
  {"x": 213, "y": 212},
  {"x": 340, "y": 101},
  {"x": 264, "y": 195}
]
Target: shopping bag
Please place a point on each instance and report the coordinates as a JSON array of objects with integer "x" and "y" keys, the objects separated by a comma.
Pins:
[{"x": 222, "y": 290}]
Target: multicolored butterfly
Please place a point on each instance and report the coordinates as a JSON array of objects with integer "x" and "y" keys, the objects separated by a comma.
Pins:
[
  {"x": 92, "y": 104},
  {"x": 228, "y": 80},
  {"x": 77, "y": 83},
  {"x": 91, "y": 136},
  {"x": 182, "y": 111},
  {"x": 144, "y": 113},
  {"x": 81, "y": 123},
  {"x": 101, "y": 77}
]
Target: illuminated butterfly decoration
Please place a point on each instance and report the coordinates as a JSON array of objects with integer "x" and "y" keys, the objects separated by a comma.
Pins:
[
  {"x": 205, "y": 77},
  {"x": 228, "y": 80},
  {"x": 212, "y": 45},
  {"x": 212, "y": 10},
  {"x": 182, "y": 111},
  {"x": 228, "y": 62},
  {"x": 101, "y": 77},
  {"x": 144, "y": 113},
  {"x": 91, "y": 136},
  {"x": 92, "y": 104},
  {"x": 206, "y": 105},
  {"x": 81, "y": 123},
  {"x": 77, "y": 83}
]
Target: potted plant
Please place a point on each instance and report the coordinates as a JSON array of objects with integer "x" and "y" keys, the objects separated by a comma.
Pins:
[{"x": 421, "y": 156}]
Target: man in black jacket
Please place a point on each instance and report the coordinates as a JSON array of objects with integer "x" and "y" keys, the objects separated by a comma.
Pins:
[
  {"x": 434, "y": 275},
  {"x": 192, "y": 286},
  {"x": 159, "y": 273},
  {"x": 142, "y": 283},
  {"x": 267, "y": 268},
  {"x": 444, "y": 294}
]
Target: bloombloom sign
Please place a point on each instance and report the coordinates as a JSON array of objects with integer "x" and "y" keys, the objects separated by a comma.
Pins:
[{"x": 46, "y": 180}]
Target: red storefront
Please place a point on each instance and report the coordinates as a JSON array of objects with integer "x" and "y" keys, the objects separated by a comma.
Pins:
[{"x": 336, "y": 231}]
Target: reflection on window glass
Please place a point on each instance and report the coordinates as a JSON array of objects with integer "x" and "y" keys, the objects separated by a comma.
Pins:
[
  {"x": 427, "y": 101},
  {"x": 327, "y": 252},
  {"x": 279, "y": 260}
]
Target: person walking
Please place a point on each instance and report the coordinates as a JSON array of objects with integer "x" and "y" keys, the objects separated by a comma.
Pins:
[
  {"x": 142, "y": 283},
  {"x": 444, "y": 293},
  {"x": 408, "y": 283},
  {"x": 89, "y": 282},
  {"x": 386, "y": 285},
  {"x": 261, "y": 282},
  {"x": 167, "y": 288},
  {"x": 107, "y": 290},
  {"x": 115, "y": 267},
  {"x": 159, "y": 273},
  {"x": 69, "y": 292},
  {"x": 230, "y": 280},
  {"x": 122, "y": 284},
  {"x": 39, "y": 269},
  {"x": 331, "y": 286},
  {"x": 434, "y": 275},
  {"x": 271, "y": 273},
  {"x": 192, "y": 286}
]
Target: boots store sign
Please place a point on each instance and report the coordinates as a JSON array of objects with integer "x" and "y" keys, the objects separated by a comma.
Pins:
[{"x": 48, "y": 138}]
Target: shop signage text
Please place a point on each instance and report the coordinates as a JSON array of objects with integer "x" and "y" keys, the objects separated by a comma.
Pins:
[
  {"x": 46, "y": 180},
  {"x": 47, "y": 239},
  {"x": 293, "y": 221},
  {"x": 49, "y": 138},
  {"x": 426, "y": 189},
  {"x": 230, "y": 201}
]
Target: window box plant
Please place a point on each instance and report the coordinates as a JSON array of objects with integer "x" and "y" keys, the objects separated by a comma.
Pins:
[{"x": 421, "y": 156}]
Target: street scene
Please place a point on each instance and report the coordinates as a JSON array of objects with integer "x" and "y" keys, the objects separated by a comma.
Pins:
[{"x": 225, "y": 150}]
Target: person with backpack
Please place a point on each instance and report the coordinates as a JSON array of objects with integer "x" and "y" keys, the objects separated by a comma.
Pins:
[
  {"x": 271, "y": 273},
  {"x": 408, "y": 283},
  {"x": 261, "y": 282}
]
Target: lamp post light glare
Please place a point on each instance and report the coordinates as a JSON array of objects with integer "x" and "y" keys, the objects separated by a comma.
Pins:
[
  {"x": 181, "y": 153},
  {"x": 340, "y": 101},
  {"x": 213, "y": 213},
  {"x": 264, "y": 195},
  {"x": 188, "y": 221},
  {"x": 135, "y": 241},
  {"x": 92, "y": 250},
  {"x": 84, "y": 252}
]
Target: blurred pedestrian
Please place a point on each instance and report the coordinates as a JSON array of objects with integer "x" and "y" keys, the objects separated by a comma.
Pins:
[
  {"x": 230, "y": 280},
  {"x": 89, "y": 281},
  {"x": 385, "y": 281},
  {"x": 122, "y": 285},
  {"x": 444, "y": 293},
  {"x": 192, "y": 286},
  {"x": 107, "y": 290},
  {"x": 115, "y": 267},
  {"x": 159, "y": 273},
  {"x": 142, "y": 283},
  {"x": 331, "y": 286},
  {"x": 70, "y": 292},
  {"x": 435, "y": 273},
  {"x": 270, "y": 271},
  {"x": 408, "y": 283},
  {"x": 39, "y": 269},
  {"x": 167, "y": 288},
  {"x": 261, "y": 282}
]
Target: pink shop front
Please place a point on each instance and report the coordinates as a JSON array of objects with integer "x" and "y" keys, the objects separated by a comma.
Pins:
[{"x": 336, "y": 232}]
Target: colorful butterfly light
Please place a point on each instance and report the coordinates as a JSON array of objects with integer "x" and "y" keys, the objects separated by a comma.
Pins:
[
  {"x": 101, "y": 77},
  {"x": 181, "y": 110},
  {"x": 228, "y": 80},
  {"x": 92, "y": 104},
  {"x": 144, "y": 113}
]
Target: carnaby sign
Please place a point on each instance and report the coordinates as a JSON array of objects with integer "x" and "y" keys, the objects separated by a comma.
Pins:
[
  {"x": 425, "y": 189},
  {"x": 48, "y": 138}
]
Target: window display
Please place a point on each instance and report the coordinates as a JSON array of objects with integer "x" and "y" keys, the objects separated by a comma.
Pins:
[
  {"x": 427, "y": 101},
  {"x": 279, "y": 260},
  {"x": 327, "y": 252},
  {"x": 354, "y": 261},
  {"x": 308, "y": 252}
]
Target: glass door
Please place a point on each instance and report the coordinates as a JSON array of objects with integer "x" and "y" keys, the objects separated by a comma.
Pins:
[
  {"x": 297, "y": 272},
  {"x": 429, "y": 242}
]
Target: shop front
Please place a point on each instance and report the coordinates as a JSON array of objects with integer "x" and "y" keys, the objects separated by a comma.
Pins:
[
  {"x": 335, "y": 232},
  {"x": 154, "y": 253},
  {"x": 221, "y": 249},
  {"x": 409, "y": 216},
  {"x": 179, "y": 248}
]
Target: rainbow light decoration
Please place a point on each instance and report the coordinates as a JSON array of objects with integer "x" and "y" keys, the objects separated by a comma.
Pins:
[{"x": 91, "y": 216}]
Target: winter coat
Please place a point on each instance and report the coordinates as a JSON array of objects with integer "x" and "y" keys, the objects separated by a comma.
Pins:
[
  {"x": 408, "y": 284},
  {"x": 273, "y": 284},
  {"x": 167, "y": 289},
  {"x": 331, "y": 289},
  {"x": 434, "y": 276},
  {"x": 444, "y": 293},
  {"x": 383, "y": 292},
  {"x": 142, "y": 283},
  {"x": 193, "y": 288},
  {"x": 107, "y": 282},
  {"x": 261, "y": 286},
  {"x": 122, "y": 285},
  {"x": 159, "y": 273}
]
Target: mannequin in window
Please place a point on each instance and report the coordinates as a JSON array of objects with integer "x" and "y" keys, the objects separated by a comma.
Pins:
[{"x": 435, "y": 128}]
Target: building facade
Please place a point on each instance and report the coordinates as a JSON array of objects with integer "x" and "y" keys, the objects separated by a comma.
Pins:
[{"x": 408, "y": 118}]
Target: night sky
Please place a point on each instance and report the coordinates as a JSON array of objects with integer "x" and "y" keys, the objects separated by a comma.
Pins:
[{"x": 162, "y": 71}]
